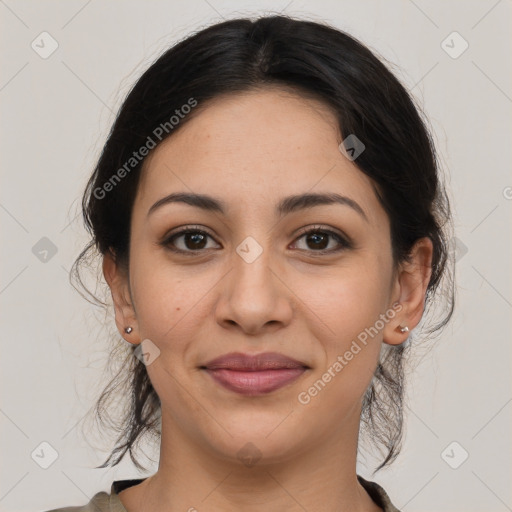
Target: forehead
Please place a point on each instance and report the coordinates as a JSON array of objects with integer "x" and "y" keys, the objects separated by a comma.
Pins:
[{"x": 255, "y": 146}]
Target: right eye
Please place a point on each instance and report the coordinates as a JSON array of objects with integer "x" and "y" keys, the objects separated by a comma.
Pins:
[{"x": 193, "y": 240}]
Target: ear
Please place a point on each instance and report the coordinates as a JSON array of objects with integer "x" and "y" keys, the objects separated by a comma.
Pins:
[
  {"x": 409, "y": 289},
  {"x": 118, "y": 282}
]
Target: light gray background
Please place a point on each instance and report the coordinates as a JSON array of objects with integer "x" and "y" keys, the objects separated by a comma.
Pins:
[{"x": 55, "y": 115}]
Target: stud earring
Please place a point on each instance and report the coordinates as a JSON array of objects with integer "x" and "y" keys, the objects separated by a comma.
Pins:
[
  {"x": 128, "y": 330},
  {"x": 403, "y": 329}
]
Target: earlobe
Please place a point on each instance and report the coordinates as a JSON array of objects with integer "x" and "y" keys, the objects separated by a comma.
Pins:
[
  {"x": 117, "y": 281},
  {"x": 410, "y": 289}
]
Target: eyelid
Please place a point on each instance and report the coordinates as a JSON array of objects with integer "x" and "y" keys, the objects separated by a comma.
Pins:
[{"x": 187, "y": 227}]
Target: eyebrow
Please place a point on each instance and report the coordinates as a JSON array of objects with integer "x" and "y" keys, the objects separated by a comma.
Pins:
[{"x": 286, "y": 206}]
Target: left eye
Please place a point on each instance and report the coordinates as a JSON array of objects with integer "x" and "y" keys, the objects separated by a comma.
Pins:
[{"x": 318, "y": 239}]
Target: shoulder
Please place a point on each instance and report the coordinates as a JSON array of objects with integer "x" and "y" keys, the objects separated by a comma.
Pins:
[
  {"x": 103, "y": 501},
  {"x": 378, "y": 495},
  {"x": 100, "y": 502}
]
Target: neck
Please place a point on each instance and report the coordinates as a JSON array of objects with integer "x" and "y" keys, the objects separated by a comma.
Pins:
[{"x": 194, "y": 478}]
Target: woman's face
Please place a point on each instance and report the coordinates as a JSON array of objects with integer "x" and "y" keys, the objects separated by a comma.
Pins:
[{"x": 253, "y": 283}]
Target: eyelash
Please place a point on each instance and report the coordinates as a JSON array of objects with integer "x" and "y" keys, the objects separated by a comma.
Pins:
[{"x": 344, "y": 243}]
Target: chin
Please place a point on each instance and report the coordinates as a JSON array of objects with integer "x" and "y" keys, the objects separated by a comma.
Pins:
[{"x": 265, "y": 439}]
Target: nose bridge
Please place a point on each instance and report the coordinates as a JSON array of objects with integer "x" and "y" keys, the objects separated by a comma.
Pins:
[
  {"x": 252, "y": 264},
  {"x": 254, "y": 296}
]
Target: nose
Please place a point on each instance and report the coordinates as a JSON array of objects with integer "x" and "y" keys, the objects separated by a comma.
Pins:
[{"x": 254, "y": 296}]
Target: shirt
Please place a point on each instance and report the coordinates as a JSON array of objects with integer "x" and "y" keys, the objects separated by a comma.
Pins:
[{"x": 104, "y": 502}]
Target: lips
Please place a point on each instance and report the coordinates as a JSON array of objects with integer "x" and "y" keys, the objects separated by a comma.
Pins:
[
  {"x": 254, "y": 374},
  {"x": 257, "y": 362}
]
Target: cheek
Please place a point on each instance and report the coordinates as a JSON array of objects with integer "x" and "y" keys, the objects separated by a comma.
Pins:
[
  {"x": 348, "y": 307},
  {"x": 345, "y": 302},
  {"x": 169, "y": 308},
  {"x": 162, "y": 298}
]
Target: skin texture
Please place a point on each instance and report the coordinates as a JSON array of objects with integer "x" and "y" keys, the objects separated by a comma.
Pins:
[{"x": 251, "y": 150}]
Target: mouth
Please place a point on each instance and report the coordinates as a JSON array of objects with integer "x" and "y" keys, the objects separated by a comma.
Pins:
[{"x": 254, "y": 375}]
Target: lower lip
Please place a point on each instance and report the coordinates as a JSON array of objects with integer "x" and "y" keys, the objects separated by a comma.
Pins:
[{"x": 255, "y": 383}]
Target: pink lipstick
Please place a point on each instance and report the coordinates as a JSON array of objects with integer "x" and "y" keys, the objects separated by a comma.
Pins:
[{"x": 254, "y": 374}]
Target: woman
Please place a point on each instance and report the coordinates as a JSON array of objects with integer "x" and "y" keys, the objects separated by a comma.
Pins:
[{"x": 271, "y": 224}]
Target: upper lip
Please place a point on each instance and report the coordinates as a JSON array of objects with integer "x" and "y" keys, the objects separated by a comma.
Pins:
[{"x": 253, "y": 362}]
